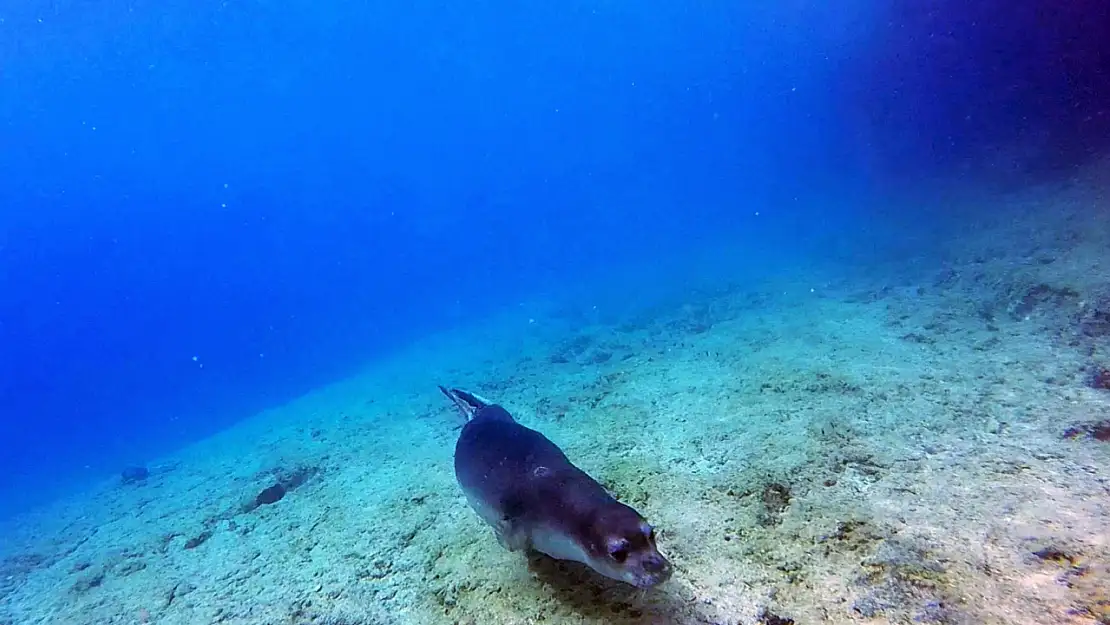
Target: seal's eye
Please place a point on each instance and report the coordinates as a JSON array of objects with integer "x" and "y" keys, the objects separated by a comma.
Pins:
[{"x": 619, "y": 551}]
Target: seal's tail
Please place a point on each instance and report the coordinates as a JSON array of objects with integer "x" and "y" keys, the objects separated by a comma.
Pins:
[{"x": 468, "y": 403}]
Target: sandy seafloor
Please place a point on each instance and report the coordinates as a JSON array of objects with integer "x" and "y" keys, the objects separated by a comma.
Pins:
[{"x": 916, "y": 442}]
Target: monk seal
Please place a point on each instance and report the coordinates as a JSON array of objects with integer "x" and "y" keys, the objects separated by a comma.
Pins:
[{"x": 533, "y": 497}]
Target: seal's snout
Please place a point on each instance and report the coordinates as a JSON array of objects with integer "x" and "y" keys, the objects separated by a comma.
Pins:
[{"x": 656, "y": 570}]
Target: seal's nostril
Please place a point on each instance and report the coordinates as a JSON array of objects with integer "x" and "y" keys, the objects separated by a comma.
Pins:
[{"x": 655, "y": 564}]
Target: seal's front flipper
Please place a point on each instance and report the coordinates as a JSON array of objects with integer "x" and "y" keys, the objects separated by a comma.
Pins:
[
  {"x": 513, "y": 540},
  {"x": 511, "y": 535},
  {"x": 511, "y": 532},
  {"x": 468, "y": 403}
]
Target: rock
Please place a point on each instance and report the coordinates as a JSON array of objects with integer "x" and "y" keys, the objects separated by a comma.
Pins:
[
  {"x": 270, "y": 495},
  {"x": 134, "y": 475},
  {"x": 1100, "y": 378},
  {"x": 198, "y": 540}
]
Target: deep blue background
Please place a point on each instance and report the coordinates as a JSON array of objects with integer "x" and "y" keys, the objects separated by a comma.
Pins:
[
  {"x": 286, "y": 190},
  {"x": 1000, "y": 93}
]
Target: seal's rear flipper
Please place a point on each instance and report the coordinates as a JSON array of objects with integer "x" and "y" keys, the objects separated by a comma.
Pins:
[{"x": 467, "y": 403}]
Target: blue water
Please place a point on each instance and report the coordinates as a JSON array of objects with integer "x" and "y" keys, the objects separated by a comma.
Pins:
[{"x": 208, "y": 208}]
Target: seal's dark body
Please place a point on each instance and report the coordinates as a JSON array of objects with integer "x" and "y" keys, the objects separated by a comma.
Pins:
[
  {"x": 525, "y": 488},
  {"x": 522, "y": 475}
]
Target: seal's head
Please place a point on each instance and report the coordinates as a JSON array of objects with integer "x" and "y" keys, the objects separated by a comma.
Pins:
[{"x": 621, "y": 546}]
